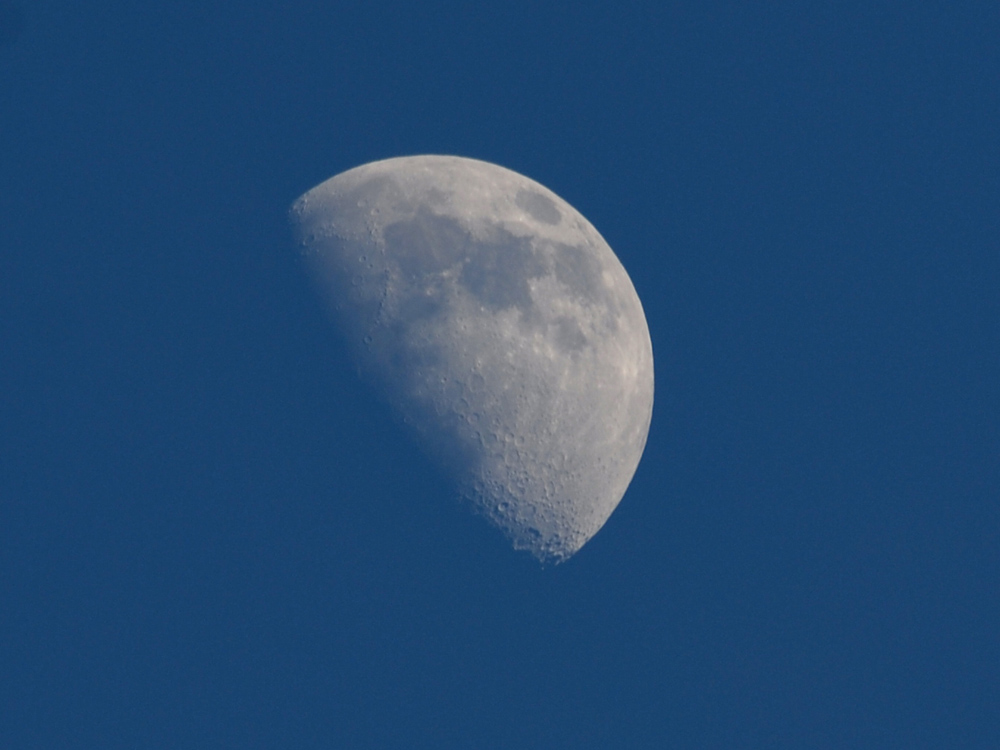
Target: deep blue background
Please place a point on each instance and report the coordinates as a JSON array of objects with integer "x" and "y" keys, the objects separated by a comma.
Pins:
[{"x": 209, "y": 535}]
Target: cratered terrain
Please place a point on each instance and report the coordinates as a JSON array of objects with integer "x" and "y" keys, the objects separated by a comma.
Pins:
[{"x": 499, "y": 326}]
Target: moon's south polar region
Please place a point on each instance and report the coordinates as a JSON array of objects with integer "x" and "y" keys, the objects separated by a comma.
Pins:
[{"x": 500, "y": 327}]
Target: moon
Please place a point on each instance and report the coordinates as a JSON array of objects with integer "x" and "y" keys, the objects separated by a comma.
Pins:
[{"x": 499, "y": 326}]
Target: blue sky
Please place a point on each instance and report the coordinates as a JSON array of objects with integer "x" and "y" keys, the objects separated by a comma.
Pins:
[{"x": 212, "y": 536}]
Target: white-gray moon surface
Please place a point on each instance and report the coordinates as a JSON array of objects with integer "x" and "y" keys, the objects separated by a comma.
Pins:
[{"x": 500, "y": 327}]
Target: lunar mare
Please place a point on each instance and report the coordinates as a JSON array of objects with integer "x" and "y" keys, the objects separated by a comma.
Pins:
[{"x": 500, "y": 327}]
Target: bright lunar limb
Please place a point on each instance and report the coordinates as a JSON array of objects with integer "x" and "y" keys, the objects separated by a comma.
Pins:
[{"x": 499, "y": 326}]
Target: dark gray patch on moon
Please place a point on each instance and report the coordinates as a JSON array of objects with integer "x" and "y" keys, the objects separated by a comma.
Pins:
[
  {"x": 568, "y": 335},
  {"x": 426, "y": 244},
  {"x": 580, "y": 273},
  {"x": 517, "y": 352},
  {"x": 498, "y": 272},
  {"x": 538, "y": 206}
]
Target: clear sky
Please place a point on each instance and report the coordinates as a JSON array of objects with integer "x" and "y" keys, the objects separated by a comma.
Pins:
[{"x": 212, "y": 537}]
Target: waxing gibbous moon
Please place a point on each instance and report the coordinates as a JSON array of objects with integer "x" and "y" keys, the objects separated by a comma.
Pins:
[{"x": 499, "y": 326}]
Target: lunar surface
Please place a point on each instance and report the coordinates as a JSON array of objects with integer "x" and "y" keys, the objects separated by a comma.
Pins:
[{"x": 500, "y": 327}]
